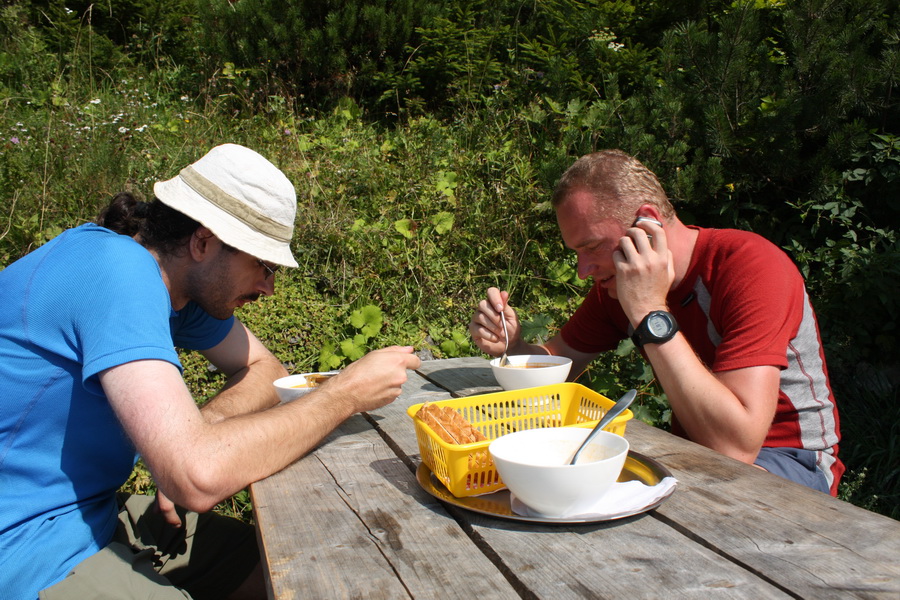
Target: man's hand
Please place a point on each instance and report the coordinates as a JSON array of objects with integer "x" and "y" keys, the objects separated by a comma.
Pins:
[
  {"x": 486, "y": 327},
  {"x": 645, "y": 270},
  {"x": 167, "y": 508},
  {"x": 374, "y": 380}
]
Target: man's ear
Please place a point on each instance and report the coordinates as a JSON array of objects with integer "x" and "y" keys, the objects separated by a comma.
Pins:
[
  {"x": 649, "y": 211},
  {"x": 201, "y": 243}
]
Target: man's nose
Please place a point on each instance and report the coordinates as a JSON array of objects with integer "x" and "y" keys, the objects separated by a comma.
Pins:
[
  {"x": 586, "y": 267},
  {"x": 267, "y": 287}
]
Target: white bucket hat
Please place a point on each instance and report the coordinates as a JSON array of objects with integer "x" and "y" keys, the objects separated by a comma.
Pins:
[{"x": 241, "y": 197}]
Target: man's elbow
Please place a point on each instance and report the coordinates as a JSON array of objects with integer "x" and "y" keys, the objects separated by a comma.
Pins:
[
  {"x": 746, "y": 453},
  {"x": 199, "y": 491}
]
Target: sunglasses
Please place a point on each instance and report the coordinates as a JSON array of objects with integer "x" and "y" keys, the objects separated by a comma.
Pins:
[{"x": 270, "y": 271}]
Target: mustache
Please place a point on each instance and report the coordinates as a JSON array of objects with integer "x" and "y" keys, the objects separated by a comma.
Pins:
[{"x": 250, "y": 297}]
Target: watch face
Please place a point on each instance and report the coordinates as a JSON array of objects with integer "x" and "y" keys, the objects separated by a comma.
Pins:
[{"x": 658, "y": 325}]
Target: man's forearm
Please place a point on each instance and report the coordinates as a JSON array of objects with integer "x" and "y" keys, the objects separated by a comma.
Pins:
[
  {"x": 249, "y": 390},
  {"x": 730, "y": 415},
  {"x": 196, "y": 463}
]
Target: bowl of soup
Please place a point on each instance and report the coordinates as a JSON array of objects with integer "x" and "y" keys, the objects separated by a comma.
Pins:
[
  {"x": 294, "y": 386},
  {"x": 534, "y": 465},
  {"x": 531, "y": 370}
]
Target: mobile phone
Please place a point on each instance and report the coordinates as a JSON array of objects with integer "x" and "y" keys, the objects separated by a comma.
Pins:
[{"x": 648, "y": 220}]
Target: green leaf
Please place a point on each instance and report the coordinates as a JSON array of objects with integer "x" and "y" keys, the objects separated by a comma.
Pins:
[
  {"x": 554, "y": 106},
  {"x": 646, "y": 373},
  {"x": 328, "y": 360},
  {"x": 538, "y": 327},
  {"x": 446, "y": 183},
  {"x": 404, "y": 228},
  {"x": 305, "y": 142},
  {"x": 625, "y": 348},
  {"x": 368, "y": 320},
  {"x": 229, "y": 71},
  {"x": 347, "y": 109},
  {"x": 562, "y": 272},
  {"x": 351, "y": 350},
  {"x": 443, "y": 222}
]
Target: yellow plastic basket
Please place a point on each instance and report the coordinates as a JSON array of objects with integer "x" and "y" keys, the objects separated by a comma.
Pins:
[{"x": 466, "y": 469}]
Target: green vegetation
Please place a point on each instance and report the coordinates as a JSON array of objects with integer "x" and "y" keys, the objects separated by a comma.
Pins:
[{"x": 423, "y": 139}]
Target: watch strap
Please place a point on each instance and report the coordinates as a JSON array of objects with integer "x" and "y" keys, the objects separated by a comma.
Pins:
[{"x": 642, "y": 334}]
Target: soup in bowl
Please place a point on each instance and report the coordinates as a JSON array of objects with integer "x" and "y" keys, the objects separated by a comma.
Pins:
[
  {"x": 531, "y": 370},
  {"x": 533, "y": 464},
  {"x": 294, "y": 386}
]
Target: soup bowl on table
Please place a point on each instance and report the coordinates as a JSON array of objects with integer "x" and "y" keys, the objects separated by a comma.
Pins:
[
  {"x": 534, "y": 466},
  {"x": 531, "y": 370},
  {"x": 293, "y": 386}
]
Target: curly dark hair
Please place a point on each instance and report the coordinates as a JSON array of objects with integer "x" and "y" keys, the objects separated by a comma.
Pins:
[{"x": 158, "y": 226}]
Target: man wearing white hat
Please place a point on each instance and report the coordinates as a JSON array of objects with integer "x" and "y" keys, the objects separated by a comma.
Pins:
[{"x": 90, "y": 379}]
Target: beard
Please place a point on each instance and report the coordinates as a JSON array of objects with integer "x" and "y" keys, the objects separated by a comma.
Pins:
[
  {"x": 219, "y": 307},
  {"x": 213, "y": 291}
]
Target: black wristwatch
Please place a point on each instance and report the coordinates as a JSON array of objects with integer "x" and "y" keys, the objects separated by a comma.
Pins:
[{"x": 656, "y": 328}]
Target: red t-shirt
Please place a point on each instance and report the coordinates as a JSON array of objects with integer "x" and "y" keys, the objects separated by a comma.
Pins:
[{"x": 742, "y": 303}]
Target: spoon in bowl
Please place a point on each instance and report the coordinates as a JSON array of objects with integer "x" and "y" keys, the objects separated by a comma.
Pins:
[
  {"x": 504, "y": 359},
  {"x": 617, "y": 408}
]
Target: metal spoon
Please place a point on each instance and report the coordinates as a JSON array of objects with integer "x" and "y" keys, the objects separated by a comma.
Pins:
[
  {"x": 504, "y": 359},
  {"x": 620, "y": 405}
]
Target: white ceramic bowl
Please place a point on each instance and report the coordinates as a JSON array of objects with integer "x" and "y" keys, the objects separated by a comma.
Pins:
[
  {"x": 531, "y": 370},
  {"x": 294, "y": 386},
  {"x": 533, "y": 464}
]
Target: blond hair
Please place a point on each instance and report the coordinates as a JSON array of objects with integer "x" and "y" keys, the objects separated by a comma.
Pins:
[{"x": 619, "y": 183}]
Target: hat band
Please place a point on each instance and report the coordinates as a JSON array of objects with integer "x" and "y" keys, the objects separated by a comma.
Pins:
[{"x": 235, "y": 207}]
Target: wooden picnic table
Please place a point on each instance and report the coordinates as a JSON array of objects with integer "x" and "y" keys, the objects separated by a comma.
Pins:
[{"x": 350, "y": 520}]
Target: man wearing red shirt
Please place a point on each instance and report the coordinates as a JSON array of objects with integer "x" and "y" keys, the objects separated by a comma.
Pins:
[{"x": 723, "y": 316}]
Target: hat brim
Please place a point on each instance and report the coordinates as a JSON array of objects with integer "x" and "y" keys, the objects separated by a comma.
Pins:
[{"x": 176, "y": 194}]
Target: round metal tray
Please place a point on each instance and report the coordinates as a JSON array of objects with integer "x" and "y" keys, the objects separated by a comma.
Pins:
[{"x": 497, "y": 504}]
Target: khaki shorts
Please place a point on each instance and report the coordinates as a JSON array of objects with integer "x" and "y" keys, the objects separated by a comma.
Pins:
[{"x": 208, "y": 558}]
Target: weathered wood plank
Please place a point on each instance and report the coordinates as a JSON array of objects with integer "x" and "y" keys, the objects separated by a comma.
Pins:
[
  {"x": 803, "y": 540},
  {"x": 632, "y": 558},
  {"x": 463, "y": 376},
  {"x": 349, "y": 521},
  {"x": 308, "y": 533},
  {"x": 800, "y": 540},
  {"x": 637, "y": 555}
]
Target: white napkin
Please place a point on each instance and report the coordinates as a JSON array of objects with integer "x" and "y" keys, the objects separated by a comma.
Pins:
[{"x": 623, "y": 498}]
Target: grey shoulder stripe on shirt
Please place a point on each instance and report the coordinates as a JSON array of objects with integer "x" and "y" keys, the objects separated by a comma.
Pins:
[{"x": 705, "y": 301}]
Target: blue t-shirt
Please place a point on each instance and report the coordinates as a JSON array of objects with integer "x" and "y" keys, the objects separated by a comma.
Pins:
[{"x": 86, "y": 301}]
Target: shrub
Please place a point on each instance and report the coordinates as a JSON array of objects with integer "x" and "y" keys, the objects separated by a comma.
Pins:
[{"x": 310, "y": 50}]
